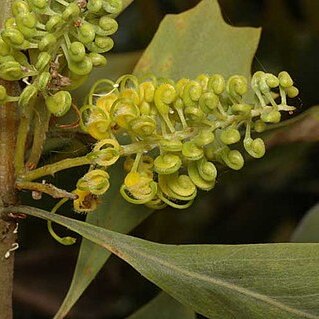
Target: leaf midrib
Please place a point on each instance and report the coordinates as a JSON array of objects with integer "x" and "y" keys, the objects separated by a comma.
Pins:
[{"x": 219, "y": 282}]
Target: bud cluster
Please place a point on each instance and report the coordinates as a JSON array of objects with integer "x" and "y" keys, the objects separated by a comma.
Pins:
[
  {"x": 173, "y": 134},
  {"x": 54, "y": 44}
]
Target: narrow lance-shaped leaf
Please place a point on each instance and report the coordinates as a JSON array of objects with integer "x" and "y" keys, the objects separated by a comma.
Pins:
[
  {"x": 219, "y": 281},
  {"x": 199, "y": 41},
  {"x": 163, "y": 306},
  {"x": 114, "y": 213}
]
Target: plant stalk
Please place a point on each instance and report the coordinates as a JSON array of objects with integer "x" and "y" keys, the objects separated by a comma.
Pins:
[{"x": 8, "y": 197}]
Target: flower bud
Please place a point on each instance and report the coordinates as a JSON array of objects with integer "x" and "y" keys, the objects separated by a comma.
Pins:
[
  {"x": 106, "y": 152},
  {"x": 255, "y": 148},
  {"x": 292, "y": 91},
  {"x": 259, "y": 126},
  {"x": 167, "y": 163},
  {"x": 72, "y": 11},
  {"x": 86, "y": 33},
  {"x": 271, "y": 117},
  {"x": 112, "y": 6},
  {"x": 47, "y": 42},
  {"x": 54, "y": 23},
  {"x": 43, "y": 61},
  {"x": 97, "y": 59},
  {"x": 95, "y": 181},
  {"x": 230, "y": 136},
  {"x": 285, "y": 79},
  {"x": 94, "y": 6},
  {"x": 11, "y": 71},
  {"x": 192, "y": 151},
  {"x": 108, "y": 25},
  {"x": 19, "y": 7},
  {"x": 77, "y": 51},
  {"x": 43, "y": 81},
  {"x": 59, "y": 103},
  {"x": 27, "y": 95}
]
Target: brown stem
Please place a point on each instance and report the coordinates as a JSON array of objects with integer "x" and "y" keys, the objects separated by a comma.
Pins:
[{"x": 8, "y": 133}]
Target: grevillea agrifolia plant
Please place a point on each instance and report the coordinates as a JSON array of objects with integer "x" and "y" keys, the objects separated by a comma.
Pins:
[{"x": 173, "y": 134}]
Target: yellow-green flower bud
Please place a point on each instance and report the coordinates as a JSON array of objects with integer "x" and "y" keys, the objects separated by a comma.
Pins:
[
  {"x": 95, "y": 181},
  {"x": 77, "y": 51},
  {"x": 43, "y": 61},
  {"x": 208, "y": 102},
  {"x": 230, "y": 136},
  {"x": 86, "y": 33},
  {"x": 59, "y": 103},
  {"x": 47, "y": 42},
  {"x": 105, "y": 152},
  {"x": 94, "y": 6},
  {"x": 19, "y": 7},
  {"x": 216, "y": 83},
  {"x": 167, "y": 163},
  {"x": 192, "y": 151},
  {"x": 72, "y": 11},
  {"x": 29, "y": 93},
  {"x": 112, "y": 6},
  {"x": 107, "y": 25},
  {"x": 43, "y": 81},
  {"x": 11, "y": 71},
  {"x": 97, "y": 59},
  {"x": 285, "y": 79},
  {"x": 292, "y": 91},
  {"x": 259, "y": 126},
  {"x": 171, "y": 145},
  {"x": 271, "y": 117},
  {"x": 255, "y": 148},
  {"x": 55, "y": 22},
  {"x": 5, "y": 49}
]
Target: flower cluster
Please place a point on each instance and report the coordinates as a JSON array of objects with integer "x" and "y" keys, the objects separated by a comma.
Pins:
[
  {"x": 53, "y": 45},
  {"x": 173, "y": 134}
]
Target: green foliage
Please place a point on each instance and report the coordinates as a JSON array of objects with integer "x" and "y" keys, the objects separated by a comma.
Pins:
[
  {"x": 218, "y": 281},
  {"x": 163, "y": 307}
]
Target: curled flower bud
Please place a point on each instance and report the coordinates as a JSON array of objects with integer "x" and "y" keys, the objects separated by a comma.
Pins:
[
  {"x": 94, "y": 6},
  {"x": 205, "y": 137},
  {"x": 95, "y": 181},
  {"x": 167, "y": 163},
  {"x": 208, "y": 102},
  {"x": 259, "y": 126},
  {"x": 271, "y": 117},
  {"x": 47, "y": 41},
  {"x": 230, "y": 136},
  {"x": 27, "y": 95},
  {"x": 292, "y": 91},
  {"x": 232, "y": 158},
  {"x": 43, "y": 61},
  {"x": 191, "y": 93},
  {"x": 86, "y": 33},
  {"x": 123, "y": 111},
  {"x": 71, "y": 12},
  {"x": 59, "y": 103},
  {"x": 11, "y": 71},
  {"x": 112, "y": 6},
  {"x": 101, "y": 44},
  {"x": 43, "y": 81},
  {"x": 236, "y": 86},
  {"x": 192, "y": 151},
  {"x": 4, "y": 48},
  {"x": 26, "y": 23},
  {"x": 108, "y": 26},
  {"x": 97, "y": 59},
  {"x": 255, "y": 148},
  {"x": 202, "y": 173},
  {"x": 171, "y": 145},
  {"x": 143, "y": 126},
  {"x": 216, "y": 83},
  {"x": 105, "y": 152},
  {"x": 177, "y": 191},
  {"x": 138, "y": 188},
  {"x": 54, "y": 23},
  {"x": 285, "y": 79},
  {"x": 19, "y": 7},
  {"x": 77, "y": 51}
]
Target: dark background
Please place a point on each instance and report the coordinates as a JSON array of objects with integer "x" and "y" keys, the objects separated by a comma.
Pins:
[{"x": 261, "y": 203}]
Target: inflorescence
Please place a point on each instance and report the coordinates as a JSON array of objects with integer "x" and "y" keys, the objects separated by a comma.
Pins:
[
  {"x": 173, "y": 134},
  {"x": 53, "y": 45}
]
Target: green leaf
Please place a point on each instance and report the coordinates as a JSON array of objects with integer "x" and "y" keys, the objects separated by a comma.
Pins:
[
  {"x": 199, "y": 41},
  {"x": 279, "y": 281},
  {"x": 114, "y": 213},
  {"x": 163, "y": 307},
  {"x": 308, "y": 229}
]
